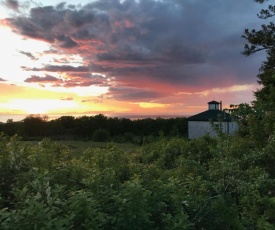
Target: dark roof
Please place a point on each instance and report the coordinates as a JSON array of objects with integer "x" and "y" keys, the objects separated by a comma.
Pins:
[
  {"x": 213, "y": 102},
  {"x": 210, "y": 115}
]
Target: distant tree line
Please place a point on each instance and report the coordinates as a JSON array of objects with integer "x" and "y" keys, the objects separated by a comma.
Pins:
[{"x": 98, "y": 128}]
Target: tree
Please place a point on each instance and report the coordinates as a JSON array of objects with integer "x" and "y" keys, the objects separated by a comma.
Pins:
[
  {"x": 101, "y": 135},
  {"x": 34, "y": 125},
  {"x": 67, "y": 124},
  {"x": 264, "y": 40},
  {"x": 11, "y": 127}
]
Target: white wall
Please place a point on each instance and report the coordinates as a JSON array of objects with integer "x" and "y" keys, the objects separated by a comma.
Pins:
[{"x": 197, "y": 129}]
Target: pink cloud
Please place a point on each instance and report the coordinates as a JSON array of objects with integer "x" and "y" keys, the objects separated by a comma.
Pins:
[{"x": 148, "y": 50}]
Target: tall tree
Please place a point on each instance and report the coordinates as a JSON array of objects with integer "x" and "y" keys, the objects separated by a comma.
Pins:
[{"x": 264, "y": 40}]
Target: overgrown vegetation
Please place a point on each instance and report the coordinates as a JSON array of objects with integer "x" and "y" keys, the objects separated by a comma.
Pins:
[{"x": 170, "y": 183}]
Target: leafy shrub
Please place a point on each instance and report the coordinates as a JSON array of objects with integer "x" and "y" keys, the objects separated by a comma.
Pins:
[
  {"x": 128, "y": 137},
  {"x": 168, "y": 184},
  {"x": 101, "y": 135}
]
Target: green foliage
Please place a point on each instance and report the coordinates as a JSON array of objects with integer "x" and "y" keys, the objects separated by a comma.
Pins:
[
  {"x": 133, "y": 207},
  {"x": 222, "y": 183},
  {"x": 36, "y": 127},
  {"x": 128, "y": 137},
  {"x": 263, "y": 116},
  {"x": 101, "y": 135}
]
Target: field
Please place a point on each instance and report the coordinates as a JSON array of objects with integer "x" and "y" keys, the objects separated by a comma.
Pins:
[{"x": 79, "y": 146}]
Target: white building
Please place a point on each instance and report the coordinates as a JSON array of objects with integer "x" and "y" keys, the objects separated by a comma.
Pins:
[{"x": 200, "y": 124}]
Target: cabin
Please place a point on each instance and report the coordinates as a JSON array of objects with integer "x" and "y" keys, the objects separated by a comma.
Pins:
[{"x": 200, "y": 124}]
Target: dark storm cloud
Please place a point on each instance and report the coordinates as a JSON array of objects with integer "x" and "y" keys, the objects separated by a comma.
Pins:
[
  {"x": 81, "y": 83},
  {"x": 79, "y": 18},
  {"x": 173, "y": 42},
  {"x": 12, "y": 4},
  {"x": 62, "y": 68},
  {"x": 83, "y": 35},
  {"x": 66, "y": 68},
  {"x": 61, "y": 60},
  {"x": 133, "y": 94},
  {"x": 28, "y": 54},
  {"x": 76, "y": 76},
  {"x": 36, "y": 79},
  {"x": 69, "y": 81},
  {"x": 66, "y": 42}
]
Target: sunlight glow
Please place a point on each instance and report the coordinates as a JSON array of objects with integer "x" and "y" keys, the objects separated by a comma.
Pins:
[
  {"x": 14, "y": 54},
  {"x": 149, "y": 105},
  {"x": 41, "y": 106},
  {"x": 234, "y": 88}
]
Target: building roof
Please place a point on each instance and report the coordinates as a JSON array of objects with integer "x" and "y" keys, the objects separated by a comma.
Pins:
[
  {"x": 213, "y": 102},
  {"x": 210, "y": 115}
]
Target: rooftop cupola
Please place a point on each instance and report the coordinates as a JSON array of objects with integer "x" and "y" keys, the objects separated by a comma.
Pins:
[{"x": 213, "y": 105}]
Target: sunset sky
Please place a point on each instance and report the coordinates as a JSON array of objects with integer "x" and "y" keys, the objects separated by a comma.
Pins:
[{"x": 118, "y": 58}]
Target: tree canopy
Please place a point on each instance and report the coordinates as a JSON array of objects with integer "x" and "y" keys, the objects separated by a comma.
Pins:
[{"x": 263, "y": 40}]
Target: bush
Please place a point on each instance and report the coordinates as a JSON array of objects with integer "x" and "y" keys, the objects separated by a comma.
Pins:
[
  {"x": 128, "y": 137},
  {"x": 169, "y": 184},
  {"x": 101, "y": 135}
]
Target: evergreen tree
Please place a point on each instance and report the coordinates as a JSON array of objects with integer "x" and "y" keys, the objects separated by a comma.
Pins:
[{"x": 264, "y": 40}]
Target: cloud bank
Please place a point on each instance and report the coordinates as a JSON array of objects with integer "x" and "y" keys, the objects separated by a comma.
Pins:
[{"x": 147, "y": 50}]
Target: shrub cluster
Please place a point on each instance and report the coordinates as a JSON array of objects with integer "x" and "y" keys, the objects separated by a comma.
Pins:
[{"x": 170, "y": 184}]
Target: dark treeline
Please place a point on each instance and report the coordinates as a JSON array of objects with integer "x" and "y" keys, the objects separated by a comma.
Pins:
[{"x": 98, "y": 128}]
